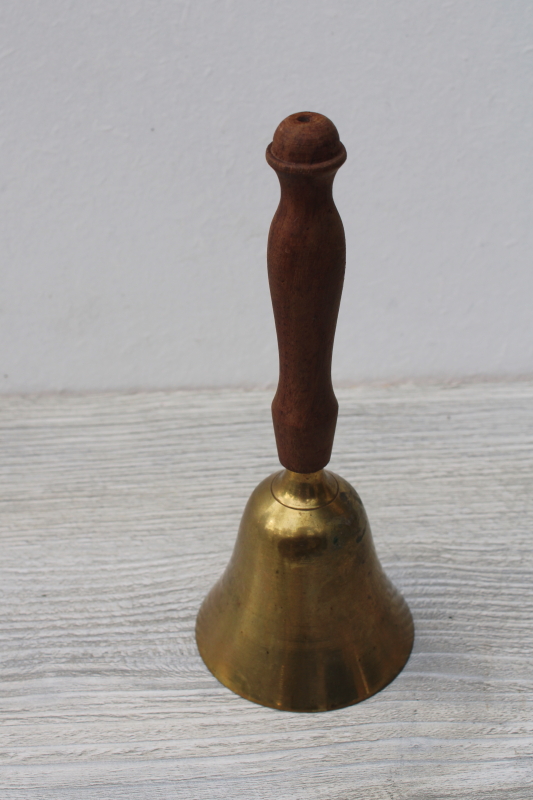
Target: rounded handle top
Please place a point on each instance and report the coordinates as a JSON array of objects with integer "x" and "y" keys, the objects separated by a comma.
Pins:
[{"x": 305, "y": 141}]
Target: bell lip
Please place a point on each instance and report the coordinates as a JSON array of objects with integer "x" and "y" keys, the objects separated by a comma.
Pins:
[{"x": 339, "y": 707}]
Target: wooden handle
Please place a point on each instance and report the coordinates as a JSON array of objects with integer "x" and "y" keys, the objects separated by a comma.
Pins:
[{"x": 306, "y": 259}]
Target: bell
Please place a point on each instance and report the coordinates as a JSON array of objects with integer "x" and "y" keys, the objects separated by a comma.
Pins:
[{"x": 304, "y": 617}]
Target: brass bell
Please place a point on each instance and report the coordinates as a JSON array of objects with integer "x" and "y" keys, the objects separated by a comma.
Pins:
[{"x": 304, "y": 618}]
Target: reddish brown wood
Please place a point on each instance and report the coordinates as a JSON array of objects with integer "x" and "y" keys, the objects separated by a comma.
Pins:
[{"x": 306, "y": 259}]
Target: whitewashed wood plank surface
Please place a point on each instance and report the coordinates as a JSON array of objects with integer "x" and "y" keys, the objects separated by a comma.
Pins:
[{"x": 118, "y": 512}]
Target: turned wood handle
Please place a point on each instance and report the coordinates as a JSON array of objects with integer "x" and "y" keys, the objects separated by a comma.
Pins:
[{"x": 306, "y": 259}]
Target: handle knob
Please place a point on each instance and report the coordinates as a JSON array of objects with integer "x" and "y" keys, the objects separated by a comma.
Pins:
[{"x": 306, "y": 259}]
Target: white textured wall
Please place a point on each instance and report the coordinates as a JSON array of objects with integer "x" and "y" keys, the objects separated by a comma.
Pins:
[{"x": 135, "y": 199}]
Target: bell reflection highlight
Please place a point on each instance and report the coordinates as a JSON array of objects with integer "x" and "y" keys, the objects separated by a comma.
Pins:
[{"x": 304, "y": 618}]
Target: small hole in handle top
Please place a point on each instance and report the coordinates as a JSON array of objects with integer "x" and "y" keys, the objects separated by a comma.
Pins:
[{"x": 304, "y": 118}]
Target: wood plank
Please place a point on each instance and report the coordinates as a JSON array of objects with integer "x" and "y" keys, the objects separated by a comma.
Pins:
[{"x": 119, "y": 511}]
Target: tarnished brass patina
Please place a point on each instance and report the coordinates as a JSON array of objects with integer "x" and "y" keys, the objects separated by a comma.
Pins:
[{"x": 304, "y": 618}]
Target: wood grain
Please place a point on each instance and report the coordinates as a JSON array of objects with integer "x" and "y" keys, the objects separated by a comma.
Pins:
[
  {"x": 306, "y": 258},
  {"x": 119, "y": 511}
]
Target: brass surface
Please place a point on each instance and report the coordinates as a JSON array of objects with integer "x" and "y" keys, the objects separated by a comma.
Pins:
[
  {"x": 304, "y": 618},
  {"x": 304, "y": 491}
]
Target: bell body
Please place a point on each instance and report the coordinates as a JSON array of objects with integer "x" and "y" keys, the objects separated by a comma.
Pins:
[{"x": 304, "y": 618}]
